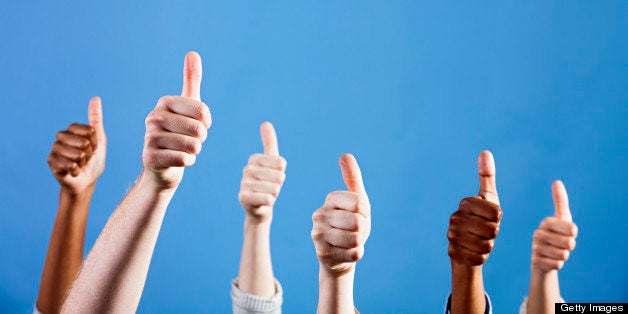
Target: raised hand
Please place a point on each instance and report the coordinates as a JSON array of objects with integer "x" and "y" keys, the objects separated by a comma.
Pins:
[
  {"x": 475, "y": 225},
  {"x": 263, "y": 177},
  {"x": 176, "y": 129},
  {"x": 555, "y": 238},
  {"x": 343, "y": 224},
  {"x": 77, "y": 157}
]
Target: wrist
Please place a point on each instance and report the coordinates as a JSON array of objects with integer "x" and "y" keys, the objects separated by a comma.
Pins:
[
  {"x": 257, "y": 221},
  {"x": 538, "y": 273},
  {"x": 72, "y": 193},
  {"x": 75, "y": 202},
  {"x": 465, "y": 269},
  {"x": 337, "y": 273},
  {"x": 149, "y": 181}
]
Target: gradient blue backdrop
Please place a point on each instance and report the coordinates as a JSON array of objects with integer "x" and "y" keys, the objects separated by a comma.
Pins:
[{"x": 414, "y": 90}]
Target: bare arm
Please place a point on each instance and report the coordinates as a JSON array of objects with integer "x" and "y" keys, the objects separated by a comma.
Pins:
[
  {"x": 341, "y": 228},
  {"x": 261, "y": 183},
  {"x": 113, "y": 275},
  {"x": 77, "y": 160},
  {"x": 472, "y": 232},
  {"x": 551, "y": 245}
]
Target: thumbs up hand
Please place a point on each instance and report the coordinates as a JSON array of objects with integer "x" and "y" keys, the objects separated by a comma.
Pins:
[
  {"x": 77, "y": 157},
  {"x": 475, "y": 225},
  {"x": 343, "y": 224},
  {"x": 263, "y": 177},
  {"x": 555, "y": 238},
  {"x": 176, "y": 129}
]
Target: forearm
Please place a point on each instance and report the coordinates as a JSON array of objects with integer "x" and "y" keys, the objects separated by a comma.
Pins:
[
  {"x": 65, "y": 251},
  {"x": 544, "y": 291},
  {"x": 256, "y": 270},
  {"x": 467, "y": 289},
  {"x": 335, "y": 293},
  {"x": 114, "y": 273}
]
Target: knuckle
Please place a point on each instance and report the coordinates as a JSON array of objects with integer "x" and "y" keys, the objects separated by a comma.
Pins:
[
  {"x": 283, "y": 163},
  {"x": 564, "y": 255},
  {"x": 253, "y": 159},
  {"x": 574, "y": 230},
  {"x": 494, "y": 232},
  {"x": 356, "y": 255},
  {"x": 153, "y": 118},
  {"x": 358, "y": 223},
  {"x": 465, "y": 202},
  {"x": 84, "y": 143},
  {"x": 164, "y": 101},
  {"x": 536, "y": 236},
  {"x": 318, "y": 216},
  {"x": 489, "y": 246},
  {"x": 451, "y": 251},
  {"x": 451, "y": 236},
  {"x": 330, "y": 196},
  {"x": 197, "y": 130},
  {"x": 498, "y": 213},
  {"x": 276, "y": 190},
  {"x": 247, "y": 171},
  {"x": 355, "y": 239},
  {"x": 196, "y": 146},
  {"x": 535, "y": 259},
  {"x": 268, "y": 199}
]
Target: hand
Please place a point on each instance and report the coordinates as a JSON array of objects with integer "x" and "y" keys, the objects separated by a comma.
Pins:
[
  {"x": 77, "y": 158},
  {"x": 475, "y": 225},
  {"x": 343, "y": 224},
  {"x": 556, "y": 236},
  {"x": 263, "y": 177},
  {"x": 176, "y": 129}
]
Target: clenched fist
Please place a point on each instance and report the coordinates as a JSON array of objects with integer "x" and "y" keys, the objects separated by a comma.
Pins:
[
  {"x": 176, "y": 129},
  {"x": 263, "y": 177},
  {"x": 343, "y": 224},
  {"x": 475, "y": 225},
  {"x": 77, "y": 158},
  {"x": 555, "y": 238}
]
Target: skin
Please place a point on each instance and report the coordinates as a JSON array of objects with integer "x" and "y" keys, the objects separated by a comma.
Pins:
[
  {"x": 552, "y": 244},
  {"x": 113, "y": 275},
  {"x": 77, "y": 159},
  {"x": 340, "y": 230},
  {"x": 261, "y": 183},
  {"x": 472, "y": 232}
]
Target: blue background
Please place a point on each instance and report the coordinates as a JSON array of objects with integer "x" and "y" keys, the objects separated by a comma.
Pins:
[{"x": 414, "y": 90}]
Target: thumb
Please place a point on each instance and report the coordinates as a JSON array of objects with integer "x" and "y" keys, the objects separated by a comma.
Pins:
[
  {"x": 486, "y": 172},
  {"x": 192, "y": 75},
  {"x": 269, "y": 139},
  {"x": 561, "y": 201},
  {"x": 352, "y": 175},
  {"x": 95, "y": 117}
]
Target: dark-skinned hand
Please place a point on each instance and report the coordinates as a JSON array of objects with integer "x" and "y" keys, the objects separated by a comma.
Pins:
[
  {"x": 475, "y": 225},
  {"x": 77, "y": 157}
]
